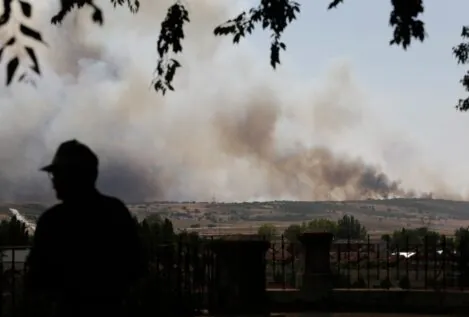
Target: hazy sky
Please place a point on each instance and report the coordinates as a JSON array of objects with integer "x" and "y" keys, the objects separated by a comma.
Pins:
[
  {"x": 415, "y": 90},
  {"x": 235, "y": 128}
]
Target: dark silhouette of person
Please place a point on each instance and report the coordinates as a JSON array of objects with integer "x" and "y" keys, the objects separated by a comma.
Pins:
[{"x": 86, "y": 252}]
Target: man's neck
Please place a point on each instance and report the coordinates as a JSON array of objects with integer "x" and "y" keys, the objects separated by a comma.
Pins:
[{"x": 82, "y": 195}]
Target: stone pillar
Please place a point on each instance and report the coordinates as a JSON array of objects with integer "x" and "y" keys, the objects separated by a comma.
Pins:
[
  {"x": 239, "y": 285},
  {"x": 317, "y": 276}
]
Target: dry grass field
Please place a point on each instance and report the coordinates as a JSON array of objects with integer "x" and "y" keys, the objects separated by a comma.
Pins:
[{"x": 379, "y": 216}]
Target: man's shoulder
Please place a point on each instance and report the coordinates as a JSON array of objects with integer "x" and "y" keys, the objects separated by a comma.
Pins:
[
  {"x": 116, "y": 211},
  {"x": 116, "y": 207},
  {"x": 51, "y": 213},
  {"x": 112, "y": 202},
  {"x": 50, "y": 218}
]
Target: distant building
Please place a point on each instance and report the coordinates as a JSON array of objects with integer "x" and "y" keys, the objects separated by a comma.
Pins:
[{"x": 346, "y": 245}]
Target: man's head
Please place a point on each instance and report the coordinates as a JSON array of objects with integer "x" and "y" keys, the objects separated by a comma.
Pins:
[{"x": 73, "y": 170}]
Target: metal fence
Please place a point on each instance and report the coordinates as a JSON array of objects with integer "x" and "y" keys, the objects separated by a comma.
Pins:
[
  {"x": 376, "y": 264},
  {"x": 182, "y": 275}
]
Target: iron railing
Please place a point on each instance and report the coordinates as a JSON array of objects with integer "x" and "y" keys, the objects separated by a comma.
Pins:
[
  {"x": 366, "y": 263},
  {"x": 182, "y": 274}
]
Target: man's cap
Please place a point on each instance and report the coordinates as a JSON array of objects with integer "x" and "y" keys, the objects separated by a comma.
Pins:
[{"x": 72, "y": 155}]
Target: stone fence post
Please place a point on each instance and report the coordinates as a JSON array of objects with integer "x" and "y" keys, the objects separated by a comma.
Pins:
[
  {"x": 317, "y": 276},
  {"x": 239, "y": 283}
]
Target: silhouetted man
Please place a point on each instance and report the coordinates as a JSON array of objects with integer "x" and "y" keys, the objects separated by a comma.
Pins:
[{"x": 86, "y": 251}]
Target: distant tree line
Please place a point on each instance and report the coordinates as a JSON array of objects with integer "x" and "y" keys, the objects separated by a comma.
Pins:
[
  {"x": 14, "y": 232},
  {"x": 154, "y": 230},
  {"x": 348, "y": 227},
  {"x": 409, "y": 239}
]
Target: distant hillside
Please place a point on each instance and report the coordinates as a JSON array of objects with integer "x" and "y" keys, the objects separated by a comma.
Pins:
[
  {"x": 378, "y": 215},
  {"x": 29, "y": 210}
]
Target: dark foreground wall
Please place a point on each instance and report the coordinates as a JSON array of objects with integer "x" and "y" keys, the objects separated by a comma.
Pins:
[{"x": 371, "y": 300}]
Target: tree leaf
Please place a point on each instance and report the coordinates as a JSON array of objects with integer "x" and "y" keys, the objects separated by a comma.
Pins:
[
  {"x": 5, "y": 17},
  {"x": 11, "y": 41},
  {"x": 22, "y": 77},
  {"x": 133, "y": 5},
  {"x": 26, "y": 9},
  {"x": 32, "y": 55},
  {"x": 171, "y": 34},
  {"x": 97, "y": 16},
  {"x": 334, "y": 4},
  {"x": 11, "y": 69},
  {"x": 27, "y": 31}
]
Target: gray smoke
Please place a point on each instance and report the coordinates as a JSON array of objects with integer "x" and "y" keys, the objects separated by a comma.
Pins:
[{"x": 231, "y": 130}]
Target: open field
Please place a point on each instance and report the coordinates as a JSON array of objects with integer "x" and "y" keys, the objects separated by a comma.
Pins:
[
  {"x": 218, "y": 218},
  {"x": 377, "y": 215}
]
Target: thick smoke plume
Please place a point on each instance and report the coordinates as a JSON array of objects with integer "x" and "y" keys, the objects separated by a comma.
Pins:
[{"x": 233, "y": 130}]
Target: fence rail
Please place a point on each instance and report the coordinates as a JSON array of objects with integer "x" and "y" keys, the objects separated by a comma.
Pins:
[
  {"x": 366, "y": 264},
  {"x": 183, "y": 275}
]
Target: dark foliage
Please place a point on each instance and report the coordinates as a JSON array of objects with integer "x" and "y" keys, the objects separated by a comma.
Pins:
[
  {"x": 66, "y": 6},
  {"x": 13, "y": 64},
  {"x": 461, "y": 52},
  {"x": 171, "y": 34},
  {"x": 13, "y": 233},
  {"x": 272, "y": 15},
  {"x": 404, "y": 19}
]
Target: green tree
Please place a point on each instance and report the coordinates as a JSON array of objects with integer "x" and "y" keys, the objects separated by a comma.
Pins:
[
  {"x": 461, "y": 52},
  {"x": 448, "y": 243},
  {"x": 386, "y": 237},
  {"x": 267, "y": 230},
  {"x": 13, "y": 233},
  {"x": 344, "y": 228},
  {"x": 320, "y": 225},
  {"x": 461, "y": 235},
  {"x": 430, "y": 237},
  {"x": 154, "y": 218},
  {"x": 348, "y": 227},
  {"x": 273, "y": 16},
  {"x": 405, "y": 238},
  {"x": 154, "y": 232},
  {"x": 462, "y": 254},
  {"x": 410, "y": 239},
  {"x": 189, "y": 237},
  {"x": 167, "y": 231},
  {"x": 292, "y": 233}
]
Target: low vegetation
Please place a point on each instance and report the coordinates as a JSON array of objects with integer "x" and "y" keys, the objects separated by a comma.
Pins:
[{"x": 378, "y": 216}]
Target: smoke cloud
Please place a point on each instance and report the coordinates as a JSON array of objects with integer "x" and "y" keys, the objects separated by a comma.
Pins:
[{"x": 233, "y": 130}]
